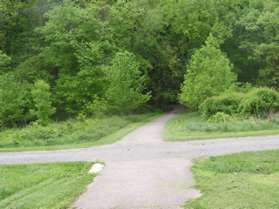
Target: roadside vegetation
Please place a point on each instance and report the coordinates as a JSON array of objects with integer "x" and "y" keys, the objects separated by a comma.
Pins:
[
  {"x": 248, "y": 180},
  {"x": 193, "y": 126},
  {"x": 80, "y": 132},
  {"x": 225, "y": 108},
  {"x": 238, "y": 111},
  {"x": 100, "y": 66},
  {"x": 46, "y": 186}
]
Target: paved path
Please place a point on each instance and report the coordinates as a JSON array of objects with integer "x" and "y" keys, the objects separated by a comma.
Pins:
[{"x": 142, "y": 171}]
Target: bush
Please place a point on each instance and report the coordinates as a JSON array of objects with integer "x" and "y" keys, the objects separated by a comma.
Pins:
[
  {"x": 220, "y": 117},
  {"x": 5, "y": 62},
  {"x": 75, "y": 93},
  {"x": 227, "y": 103},
  {"x": 42, "y": 98},
  {"x": 99, "y": 107},
  {"x": 15, "y": 101},
  {"x": 260, "y": 102}
]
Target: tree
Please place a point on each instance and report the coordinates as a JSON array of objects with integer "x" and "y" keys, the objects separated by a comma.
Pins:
[
  {"x": 42, "y": 100},
  {"x": 71, "y": 43},
  {"x": 126, "y": 90},
  {"x": 268, "y": 50},
  {"x": 76, "y": 93},
  {"x": 208, "y": 74},
  {"x": 253, "y": 47}
]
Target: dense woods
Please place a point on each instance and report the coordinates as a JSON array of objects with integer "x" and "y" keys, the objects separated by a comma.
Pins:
[{"x": 63, "y": 58}]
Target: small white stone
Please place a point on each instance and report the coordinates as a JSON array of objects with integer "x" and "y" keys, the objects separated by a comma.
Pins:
[{"x": 96, "y": 168}]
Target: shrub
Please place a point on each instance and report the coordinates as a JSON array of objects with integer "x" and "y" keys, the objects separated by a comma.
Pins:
[
  {"x": 74, "y": 93},
  {"x": 42, "y": 98},
  {"x": 220, "y": 117},
  {"x": 98, "y": 107},
  {"x": 126, "y": 90},
  {"x": 15, "y": 101},
  {"x": 209, "y": 74},
  {"x": 227, "y": 103},
  {"x": 5, "y": 62},
  {"x": 260, "y": 102}
]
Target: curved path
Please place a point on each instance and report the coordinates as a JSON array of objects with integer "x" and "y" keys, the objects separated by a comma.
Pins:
[{"x": 142, "y": 171}]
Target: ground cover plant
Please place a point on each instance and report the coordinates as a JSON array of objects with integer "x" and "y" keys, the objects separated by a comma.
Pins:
[
  {"x": 44, "y": 186},
  {"x": 72, "y": 133},
  {"x": 190, "y": 126},
  {"x": 239, "y": 181}
]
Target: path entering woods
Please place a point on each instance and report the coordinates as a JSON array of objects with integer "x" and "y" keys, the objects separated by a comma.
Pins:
[{"x": 143, "y": 171}]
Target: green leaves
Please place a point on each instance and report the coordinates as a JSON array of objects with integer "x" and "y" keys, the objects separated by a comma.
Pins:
[
  {"x": 42, "y": 100},
  {"x": 5, "y": 62},
  {"x": 260, "y": 102},
  {"x": 15, "y": 101},
  {"x": 72, "y": 44},
  {"x": 126, "y": 90},
  {"x": 208, "y": 74}
]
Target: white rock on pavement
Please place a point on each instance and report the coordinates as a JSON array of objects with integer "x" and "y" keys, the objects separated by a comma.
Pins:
[{"x": 96, "y": 168}]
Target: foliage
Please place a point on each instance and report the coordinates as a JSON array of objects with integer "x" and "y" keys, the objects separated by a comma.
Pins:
[
  {"x": 256, "y": 34},
  {"x": 260, "y": 102},
  {"x": 72, "y": 133},
  {"x": 125, "y": 92},
  {"x": 227, "y": 103},
  {"x": 209, "y": 74},
  {"x": 71, "y": 44},
  {"x": 99, "y": 107},
  {"x": 36, "y": 186},
  {"x": 76, "y": 93},
  {"x": 5, "y": 61},
  {"x": 257, "y": 102},
  {"x": 36, "y": 68},
  {"x": 191, "y": 126},
  {"x": 220, "y": 117},
  {"x": 41, "y": 96},
  {"x": 225, "y": 181},
  {"x": 15, "y": 101}
]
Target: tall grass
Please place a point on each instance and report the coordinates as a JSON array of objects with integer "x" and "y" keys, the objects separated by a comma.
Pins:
[
  {"x": 193, "y": 126},
  {"x": 73, "y": 132}
]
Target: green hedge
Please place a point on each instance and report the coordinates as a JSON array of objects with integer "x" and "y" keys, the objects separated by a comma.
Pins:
[
  {"x": 227, "y": 103},
  {"x": 260, "y": 102}
]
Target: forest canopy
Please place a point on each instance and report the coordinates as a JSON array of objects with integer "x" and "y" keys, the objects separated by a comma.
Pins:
[{"x": 117, "y": 56}]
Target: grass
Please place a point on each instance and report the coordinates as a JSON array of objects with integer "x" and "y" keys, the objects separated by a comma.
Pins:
[
  {"x": 45, "y": 186},
  {"x": 191, "y": 126},
  {"x": 242, "y": 181},
  {"x": 72, "y": 134}
]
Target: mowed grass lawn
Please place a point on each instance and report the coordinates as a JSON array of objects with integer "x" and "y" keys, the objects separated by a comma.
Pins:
[
  {"x": 191, "y": 126},
  {"x": 242, "y": 181},
  {"x": 42, "y": 186},
  {"x": 72, "y": 133}
]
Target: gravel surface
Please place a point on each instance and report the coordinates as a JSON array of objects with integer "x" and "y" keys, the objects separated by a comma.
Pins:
[{"x": 142, "y": 171}]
